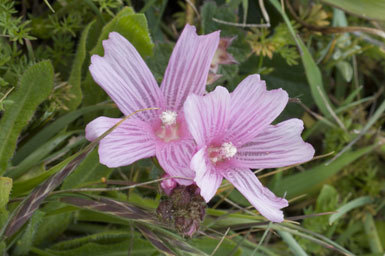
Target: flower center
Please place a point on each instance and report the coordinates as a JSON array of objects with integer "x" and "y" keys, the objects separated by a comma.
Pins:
[
  {"x": 169, "y": 129},
  {"x": 168, "y": 117},
  {"x": 218, "y": 154}
]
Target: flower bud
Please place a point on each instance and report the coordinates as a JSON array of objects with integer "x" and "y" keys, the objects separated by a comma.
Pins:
[{"x": 184, "y": 209}]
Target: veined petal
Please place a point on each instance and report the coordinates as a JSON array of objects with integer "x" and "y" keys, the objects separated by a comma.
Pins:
[
  {"x": 125, "y": 77},
  {"x": 175, "y": 157},
  {"x": 253, "y": 108},
  {"x": 188, "y": 66},
  {"x": 206, "y": 177},
  {"x": 129, "y": 142},
  {"x": 98, "y": 126},
  {"x": 259, "y": 196},
  {"x": 278, "y": 145},
  {"x": 207, "y": 116}
]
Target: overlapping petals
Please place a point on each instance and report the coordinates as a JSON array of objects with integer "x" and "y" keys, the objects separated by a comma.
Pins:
[
  {"x": 175, "y": 158},
  {"x": 234, "y": 133},
  {"x": 125, "y": 77},
  {"x": 207, "y": 117},
  {"x": 206, "y": 177}
]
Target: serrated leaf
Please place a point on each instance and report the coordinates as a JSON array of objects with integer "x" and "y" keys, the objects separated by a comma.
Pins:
[
  {"x": 53, "y": 225},
  {"x": 102, "y": 237},
  {"x": 23, "y": 245},
  {"x": 35, "y": 86}
]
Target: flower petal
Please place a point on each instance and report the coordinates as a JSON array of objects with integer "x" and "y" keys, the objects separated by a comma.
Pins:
[
  {"x": 188, "y": 66},
  {"x": 129, "y": 142},
  {"x": 259, "y": 196},
  {"x": 98, "y": 126},
  {"x": 278, "y": 145},
  {"x": 175, "y": 157},
  {"x": 206, "y": 178},
  {"x": 125, "y": 77},
  {"x": 253, "y": 108},
  {"x": 207, "y": 116}
]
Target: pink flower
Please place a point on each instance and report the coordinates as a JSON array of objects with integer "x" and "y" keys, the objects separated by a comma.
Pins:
[
  {"x": 125, "y": 77},
  {"x": 234, "y": 133},
  {"x": 221, "y": 57}
]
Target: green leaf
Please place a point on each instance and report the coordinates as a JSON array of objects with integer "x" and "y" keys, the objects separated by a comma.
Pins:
[
  {"x": 372, "y": 235},
  {"x": 76, "y": 72},
  {"x": 52, "y": 129},
  {"x": 310, "y": 180},
  {"x": 102, "y": 237},
  {"x": 312, "y": 72},
  {"x": 368, "y": 9},
  {"x": 345, "y": 69},
  {"x": 24, "y": 244},
  {"x": 90, "y": 170},
  {"x": 358, "y": 202},
  {"x": 5, "y": 190},
  {"x": 38, "y": 155},
  {"x": 139, "y": 247},
  {"x": 292, "y": 80},
  {"x": 35, "y": 86},
  {"x": 292, "y": 243},
  {"x": 208, "y": 245},
  {"x": 380, "y": 226},
  {"x": 24, "y": 186},
  {"x": 53, "y": 225}
]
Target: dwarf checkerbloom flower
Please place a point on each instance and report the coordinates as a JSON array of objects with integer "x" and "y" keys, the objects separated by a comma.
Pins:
[{"x": 234, "y": 134}]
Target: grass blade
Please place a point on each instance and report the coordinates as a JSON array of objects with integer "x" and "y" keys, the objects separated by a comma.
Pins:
[
  {"x": 358, "y": 202},
  {"x": 313, "y": 73}
]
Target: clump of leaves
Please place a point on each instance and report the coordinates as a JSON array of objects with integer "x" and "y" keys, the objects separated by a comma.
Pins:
[
  {"x": 327, "y": 201},
  {"x": 15, "y": 28},
  {"x": 266, "y": 44},
  {"x": 109, "y": 6}
]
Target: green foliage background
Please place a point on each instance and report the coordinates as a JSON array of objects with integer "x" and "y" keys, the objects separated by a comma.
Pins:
[{"x": 328, "y": 55}]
